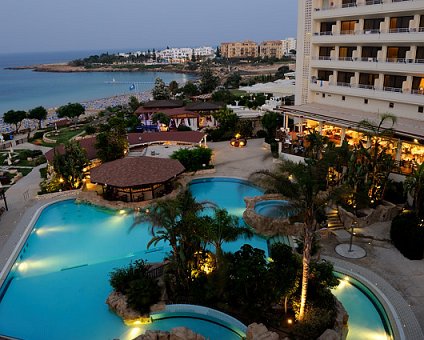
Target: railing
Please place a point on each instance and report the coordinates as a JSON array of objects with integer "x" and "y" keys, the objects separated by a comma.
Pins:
[
  {"x": 392, "y": 89},
  {"x": 156, "y": 272},
  {"x": 399, "y": 30},
  {"x": 342, "y": 84},
  {"x": 397, "y": 60},
  {"x": 373, "y": 31},
  {"x": 417, "y": 91},
  {"x": 354, "y": 4},
  {"x": 364, "y": 86}
]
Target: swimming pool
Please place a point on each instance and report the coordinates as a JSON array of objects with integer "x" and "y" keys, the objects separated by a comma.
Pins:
[
  {"x": 59, "y": 283},
  {"x": 271, "y": 208}
]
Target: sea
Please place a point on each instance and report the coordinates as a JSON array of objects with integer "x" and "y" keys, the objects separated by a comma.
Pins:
[{"x": 26, "y": 89}]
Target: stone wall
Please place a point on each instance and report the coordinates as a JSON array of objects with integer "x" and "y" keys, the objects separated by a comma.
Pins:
[
  {"x": 179, "y": 333},
  {"x": 269, "y": 226},
  {"x": 386, "y": 211}
]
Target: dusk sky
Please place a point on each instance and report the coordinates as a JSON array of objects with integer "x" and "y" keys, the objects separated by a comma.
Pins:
[{"x": 63, "y": 25}]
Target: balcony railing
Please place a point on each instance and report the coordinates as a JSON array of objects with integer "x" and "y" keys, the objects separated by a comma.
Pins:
[
  {"x": 364, "y": 86},
  {"x": 353, "y": 4},
  {"x": 417, "y": 91},
  {"x": 342, "y": 84},
  {"x": 392, "y": 89},
  {"x": 371, "y": 59},
  {"x": 373, "y": 31}
]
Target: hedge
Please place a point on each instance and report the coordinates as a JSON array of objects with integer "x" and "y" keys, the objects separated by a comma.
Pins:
[{"x": 408, "y": 236}]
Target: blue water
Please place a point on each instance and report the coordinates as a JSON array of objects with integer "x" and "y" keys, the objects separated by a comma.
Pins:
[
  {"x": 271, "y": 208},
  {"x": 25, "y": 89},
  {"x": 60, "y": 280}
]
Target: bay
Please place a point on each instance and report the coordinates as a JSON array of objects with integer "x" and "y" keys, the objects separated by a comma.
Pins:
[{"x": 25, "y": 89}]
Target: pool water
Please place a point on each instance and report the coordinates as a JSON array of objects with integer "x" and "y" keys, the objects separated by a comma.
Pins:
[
  {"x": 271, "y": 208},
  {"x": 60, "y": 281}
]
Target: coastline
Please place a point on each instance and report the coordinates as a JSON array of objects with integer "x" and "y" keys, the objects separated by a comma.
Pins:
[{"x": 65, "y": 68}]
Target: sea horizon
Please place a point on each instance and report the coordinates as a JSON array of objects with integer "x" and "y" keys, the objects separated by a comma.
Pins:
[{"x": 26, "y": 89}]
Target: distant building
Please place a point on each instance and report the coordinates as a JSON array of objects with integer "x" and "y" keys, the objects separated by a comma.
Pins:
[
  {"x": 243, "y": 49},
  {"x": 182, "y": 55},
  {"x": 288, "y": 45},
  {"x": 271, "y": 49}
]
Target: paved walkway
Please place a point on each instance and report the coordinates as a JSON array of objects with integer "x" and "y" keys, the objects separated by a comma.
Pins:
[{"x": 402, "y": 279}]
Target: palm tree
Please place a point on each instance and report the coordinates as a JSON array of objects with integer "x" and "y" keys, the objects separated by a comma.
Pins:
[
  {"x": 414, "y": 184},
  {"x": 380, "y": 164},
  {"x": 315, "y": 145},
  {"x": 303, "y": 184},
  {"x": 224, "y": 227}
]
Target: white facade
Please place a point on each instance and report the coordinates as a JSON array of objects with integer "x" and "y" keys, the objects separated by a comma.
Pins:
[
  {"x": 288, "y": 45},
  {"x": 173, "y": 55},
  {"x": 362, "y": 54}
]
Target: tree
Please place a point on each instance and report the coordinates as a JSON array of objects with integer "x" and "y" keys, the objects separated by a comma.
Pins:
[
  {"x": 133, "y": 103},
  {"x": 15, "y": 118},
  {"x": 315, "y": 144},
  {"x": 173, "y": 87},
  {"x": 161, "y": 117},
  {"x": 69, "y": 165},
  {"x": 160, "y": 91},
  {"x": 270, "y": 123},
  {"x": 111, "y": 142},
  {"x": 227, "y": 119},
  {"x": 379, "y": 162},
  {"x": 244, "y": 128},
  {"x": 190, "y": 89},
  {"x": 39, "y": 113},
  {"x": 71, "y": 110},
  {"x": 233, "y": 81},
  {"x": 224, "y": 227},
  {"x": 414, "y": 184},
  {"x": 304, "y": 186},
  {"x": 218, "y": 52},
  {"x": 208, "y": 81}
]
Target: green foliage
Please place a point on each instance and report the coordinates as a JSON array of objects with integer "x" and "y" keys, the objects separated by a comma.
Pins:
[
  {"x": 223, "y": 96},
  {"x": 71, "y": 110},
  {"x": 407, "y": 234},
  {"x": 43, "y": 173},
  {"x": 39, "y": 113},
  {"x": 182, "y": 127},
  {"x": 111, "y": 142},
  {"x": 414, "y": 185},
  {"x": 208, "y": 81},
  {"x": 134, "y": 282},
  {"x": 281, "y": 72},
  {"x": 70, "y": 164},
  {"x": 233, "y": 81},
  {"x": 193, "y": 159},
  {"x": 15, "y": 118},
  {"x": 248, "y": 280},
  {"x": 173, "y": 87},
  {"x": 190, "y": 89},
  {"x": 270, "y": 123},
  {"x": 160, "y": 91},
  {"x": 227, "y": 119},
  {"x": 161, "y": 117},
  {"x": 244, "y": 128},
  {"x": 395, "y": 192},
  {"x": 133, "y": 104},
  {"x": 316, "y": 321},
  {"x": 90, "y": 130}
]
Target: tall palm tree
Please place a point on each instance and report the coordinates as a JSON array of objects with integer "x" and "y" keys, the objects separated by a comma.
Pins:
[
  {"x": 414, "y": 184},
  {"x": 223, "y": 227},
  {"x": 380, "y": 164},
  {"x": 303, "y": 184}
]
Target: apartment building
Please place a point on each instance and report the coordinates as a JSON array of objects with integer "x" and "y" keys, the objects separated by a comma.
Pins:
[
  {"x": 184, "y": 54},
  {"x": 243, "y": 49},
  {"x": 358, "y": 59},
  {"x": 288, "y": 45},
  {"x": 271, "y": 49}
]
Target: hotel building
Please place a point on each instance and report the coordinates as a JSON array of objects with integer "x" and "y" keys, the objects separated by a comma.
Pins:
[
  {"x": 271, "y": 49},
  {"x": 358, "y": 59},
  {"x": 243, "y": 49}
]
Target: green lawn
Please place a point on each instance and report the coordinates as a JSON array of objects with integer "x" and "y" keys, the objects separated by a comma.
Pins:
[{"x": 65, "y": 135}]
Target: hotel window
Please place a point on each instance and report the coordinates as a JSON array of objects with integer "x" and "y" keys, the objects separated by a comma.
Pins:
[
  {"x": 325, "y": 52},
  {"x": 327, "y": 27},
  {"x": 393, "y": 83},
  {"x": 396, "y": 54},
  {"x": 419, "y": 58},
  {"x": 343, "y": 98},
  {"x": 365, "y": 101},
  {"x": 323, "y": 95},
  {"x": 370, "y": 53},
  {"x": 324, "y": 75},
  {"x": 372, "y": 25},
  {"x": 391, "y": 105},
  {"x": 367, "y": 80},
  {"x": 348, "y": 27},
  {"x": 343, "y": 78},
  {"x": 400, "y": 24},
  {"x": 421, "y": 29},
  {"x": 420, "y": 109},
  {"x": 418, "y": 85},
  {"x": 346, "y": 52}
]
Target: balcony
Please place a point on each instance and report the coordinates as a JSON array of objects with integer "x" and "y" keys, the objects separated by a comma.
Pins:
[
  {"x": 369, "y": 7},
  {"x": 392, "y": 36},
  {"x": 390, "y": 65},
  {"x": 389, "y": 94}
]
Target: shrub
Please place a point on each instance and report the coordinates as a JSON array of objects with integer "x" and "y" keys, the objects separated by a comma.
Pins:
[
  {"x": 90, "y": 129},
  {"x": 316, "y": 321},
  {"x": 183, "y": 128},
  {"x": 134, "y": 282},
  {"x": 394, "y": 192},
  {"x": 408, "y": 236},
  {"x": 193, "y": 159}
]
